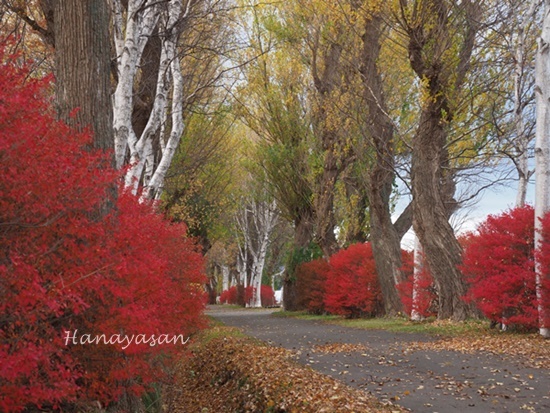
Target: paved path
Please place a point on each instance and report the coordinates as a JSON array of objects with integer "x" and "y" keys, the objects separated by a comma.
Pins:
[{"x": 422, "y": 381}]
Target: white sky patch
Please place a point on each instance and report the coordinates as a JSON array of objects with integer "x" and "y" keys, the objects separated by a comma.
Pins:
[{"x": 492, "y": 202}]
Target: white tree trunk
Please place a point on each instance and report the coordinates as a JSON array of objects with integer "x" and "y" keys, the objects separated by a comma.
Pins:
[
  {"x": 256, "y": 222},
  {"x": 225, "y": 278},
  {"x": 132, "y": 30},
  {"x": 417, "y": 270},
  {"x": 265, "y": 222},
  {"x": 542, "y": 154},
  {"x": 242, "y": 264},
  {"x": 522, "y": 137},
  {"x": 140, "y": 23}
]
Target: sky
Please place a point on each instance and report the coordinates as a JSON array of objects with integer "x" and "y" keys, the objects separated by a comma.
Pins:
[{"x": 493, "y": 201}]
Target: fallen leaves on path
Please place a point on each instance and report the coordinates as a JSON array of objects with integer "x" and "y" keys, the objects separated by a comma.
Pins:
[
  {"x": 332, "y": 348},
  {"x": 230, "y": 374},
  {"x": 532, "y": 349}
]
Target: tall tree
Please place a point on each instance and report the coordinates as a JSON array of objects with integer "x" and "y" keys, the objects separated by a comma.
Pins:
[
  {"x": 511, "y": 45},
  {"x": 542, "y": 157},
  {"x": 274, "y": 105},
  {"x": 384, "y": 235},
  {"x": 157, "y": 76},
  {"x": 317, "y": 32},
  {"x": 523, "y": 47},
  {"x": 255, "y": 221},
  {"x": 80, "y": 33},
  {"x": 441, "y": 38}
]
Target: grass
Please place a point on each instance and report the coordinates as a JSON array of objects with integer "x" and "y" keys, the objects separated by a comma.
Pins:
[
  {"x": 217, "y": 330},
  {"x": 430, "y": 326},
  {"x": 400, "y": 324}
]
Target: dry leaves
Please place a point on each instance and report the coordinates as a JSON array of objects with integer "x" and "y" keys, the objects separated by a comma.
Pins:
[
  {"x": 331, "y": 348},
  {"x": 231, "y": 374},
  {"x": 532, "y": 349}
]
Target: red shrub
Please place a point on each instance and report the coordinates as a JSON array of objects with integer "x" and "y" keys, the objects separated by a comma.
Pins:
[
  {"x": 499, "y": 266},
  {"x": 229, "y": 296},
  {"x": 66, "y": 267},
  {"x": 248, "y": 294},
  {"x": 352, "y": 283},
  {"x": 310, "y": 285},
  {"x": 268, "y": 296},
  {"x": 240, "y": 295},
  {"x": 425, "y": 289}
]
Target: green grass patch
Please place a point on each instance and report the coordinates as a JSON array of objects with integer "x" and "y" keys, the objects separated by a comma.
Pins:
[
  {"x": 306, "y": 316},
  {"x": 399, "y": 324},
  {"x": 218, "y": 330},
  {"x": 430, "y": 326}
]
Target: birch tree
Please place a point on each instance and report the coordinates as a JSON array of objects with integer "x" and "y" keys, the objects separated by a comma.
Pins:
[
  {"x": 522, "y": 46},
  {"x": 256, "y": 221},
  {"x": 132, "y": 30},
  {"x": 511, "y": 46},
  {"x": 150, "y": 40},
  {"x": 273, "y": 104},
  {"x": 542, "y": 155},
  {"x": 417, "y": 269}
]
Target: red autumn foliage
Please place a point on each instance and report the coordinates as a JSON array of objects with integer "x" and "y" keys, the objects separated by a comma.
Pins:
[
  {"x": 498, "y": 263},
  {"x": 232, "y": 295},
  {"x": 66, "y": 267},
  {"x": 268, "y": 296},
  {"x": 426, "y": 294},
  {"x": 310, "y": 285},
  {"x": 352, "y": 287},
  {"x": 229, "y": 296},
  {"x": 248, "y": 294}
]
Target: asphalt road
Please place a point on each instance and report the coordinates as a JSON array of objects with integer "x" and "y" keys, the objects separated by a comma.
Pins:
[{"x": 382, "y": 364}]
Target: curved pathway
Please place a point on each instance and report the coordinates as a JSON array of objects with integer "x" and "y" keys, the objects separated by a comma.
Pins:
[{"x": 382, "y": 363}]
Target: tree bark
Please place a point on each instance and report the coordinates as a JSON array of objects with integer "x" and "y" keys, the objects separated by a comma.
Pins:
[
  {"x": 542, "y": 160},
  {"x": 324, "y": 204},
  {"x": 336, "y": 158},
  {"x": 431, "y": 176},
  {"x": 383, "y": 234},
  {"x": 82, "y": 66},
  {"x": 431, "y": 219}
]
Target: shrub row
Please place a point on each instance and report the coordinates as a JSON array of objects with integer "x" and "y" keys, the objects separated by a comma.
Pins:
[
  {"x": 498, "y": 265},
  {"x": 346, "y": 284},
  {"x": 240, "y": 295}
]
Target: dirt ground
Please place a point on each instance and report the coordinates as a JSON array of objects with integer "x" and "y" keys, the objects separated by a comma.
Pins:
[{"x": 386, "y": 365}]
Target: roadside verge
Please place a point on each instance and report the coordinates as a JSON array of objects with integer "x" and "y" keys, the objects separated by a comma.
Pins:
[{"x": 227, "y": 372}]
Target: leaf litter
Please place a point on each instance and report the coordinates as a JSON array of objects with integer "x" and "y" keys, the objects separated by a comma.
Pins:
[{"x": 237, "y": 374}]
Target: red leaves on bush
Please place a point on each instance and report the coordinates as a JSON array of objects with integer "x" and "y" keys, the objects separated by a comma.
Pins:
[
  {"x": 352, "y": 287},
  {"x": 64, "y": 266},
  {"x": 229, "y": 296},
  {"x": 499, "y": 266},
  {"x": 268, "y": 296},
  {"x": 234, "y": 296},
  {"x": 310, "y": 285}
]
